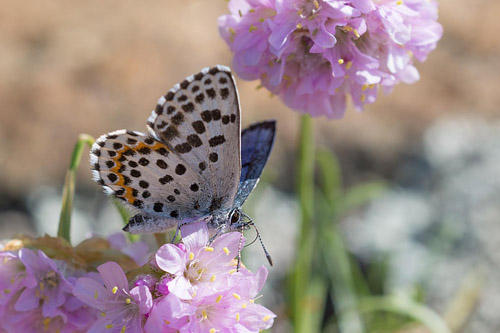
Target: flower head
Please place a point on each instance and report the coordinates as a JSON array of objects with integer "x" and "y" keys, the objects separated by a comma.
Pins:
[
  {"x": 195, "y": 262},
  {"x": 51, "y": 288},
  {"x": 202, "y": 291},
  {"x": 37, "y": 293},
  {"x": 121, "y": 308},
  {"x": 13, "y": 277},
  {"x": 314, "y": 53}
]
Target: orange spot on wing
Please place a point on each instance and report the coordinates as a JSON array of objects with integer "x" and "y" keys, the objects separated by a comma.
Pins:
[{"x": 121, "y": 179}]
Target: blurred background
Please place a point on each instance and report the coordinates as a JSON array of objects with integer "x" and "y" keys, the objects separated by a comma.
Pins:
[{"x": 94, "y": 67}]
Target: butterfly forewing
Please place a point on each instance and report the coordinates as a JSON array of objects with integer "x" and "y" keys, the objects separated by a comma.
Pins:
[
  {"x": 146, "y": 174},
  {"x": 199, "y": 121}
]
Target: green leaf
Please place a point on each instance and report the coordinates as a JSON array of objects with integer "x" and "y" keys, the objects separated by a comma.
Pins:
[
  {"x": 312, "y": 306},
  {"x": 405, "y": 306},
  {"x": 300, "y": 274},
  {"x": 331, "y": 175},
  {"x": 337, "y": 264},
  {"x": 359, "y": 195},
  {"x": 69, "y": 186}
]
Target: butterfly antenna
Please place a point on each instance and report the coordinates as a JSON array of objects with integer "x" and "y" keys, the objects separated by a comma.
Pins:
[
  {"x": 268, "y": 256},
  {"x": 251, "y": 241}
]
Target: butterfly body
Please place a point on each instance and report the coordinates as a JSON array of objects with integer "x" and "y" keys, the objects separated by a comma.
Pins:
[{"x": 193, "y": 164}]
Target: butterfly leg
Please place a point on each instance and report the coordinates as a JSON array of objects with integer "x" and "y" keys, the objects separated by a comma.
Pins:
[{"x": 218, "y": 231}]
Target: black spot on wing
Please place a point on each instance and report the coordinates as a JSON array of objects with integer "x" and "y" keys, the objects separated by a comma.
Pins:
[
  {"x": 211, "y": 93},
  {"x": 216, "y": 140},
  {"x": 194, "y": 140},
  {"x": 198, "y": 126},
  {"x": 158, "y": 207},
  {"x": 161, "y": 164},
  {"x": 214, "y": 70},
  {"x": 213, "y": 157},
  {"x": 184, "y": 84},
  {"x": 180, "y": 169},
  {"x": 165, "y": 179},
  {"x": 183, "y": 148},
  {"x": 143, "y": 161},
  {"x": 162, "y": 151},
  {"x": 178, "y": 119},
  {"x": 224, "y": 93},
  {"x": 216, "y": 114},
  {"x": 170, "y": 133},
  {"x": 170, "y": 109},
  {"x": 206, "y": 116},
  {"x": 169, "y": 96},
  {"x": 189, "y": 107},
  {"x": 199, "y": 98},
  {"x": 144, "y": 150},
  {"x": 135, "y": 173}
]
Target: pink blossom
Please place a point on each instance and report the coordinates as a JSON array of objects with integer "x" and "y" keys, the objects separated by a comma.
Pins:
[
  {"x": 39, "y": 295},
  {"x": 207, "y": 293},
  {"x": 13, "y": 277},
  {"x": 197, "y": 264},
  {"x": 314, "y": 53},
  {"x": 51, "y": 286},
  {"x": 169, "y": 314},
  {"x": 121, "y": 308}
]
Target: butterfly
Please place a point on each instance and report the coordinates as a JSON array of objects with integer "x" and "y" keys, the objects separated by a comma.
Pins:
[{"x": 193, "y": 164}]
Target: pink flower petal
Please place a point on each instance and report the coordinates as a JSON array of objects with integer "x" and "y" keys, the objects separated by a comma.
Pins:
[
  {"x": 27, "y": 300},
  {"x": 142, "y": 296},
  {"x": 171, "y": 259},
  {"x": 92, "y": 293},
  {"x": 181, "y": 288},
  {"x": 113, "y": 276}
]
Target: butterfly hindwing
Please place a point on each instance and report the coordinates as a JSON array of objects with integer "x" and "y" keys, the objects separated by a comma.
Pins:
[
  {"x": 256, "y": 143},
  {"x": 199, "y": 120},
  {"x": 146, "y": 174}
]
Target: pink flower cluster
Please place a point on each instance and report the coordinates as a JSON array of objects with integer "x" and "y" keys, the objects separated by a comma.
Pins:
[
  {"x": 36, "y": 294},
  {"x": 314, "y": 53},
  {"x": 190, "y": 287},
  {"x": 187, "y": 287}
]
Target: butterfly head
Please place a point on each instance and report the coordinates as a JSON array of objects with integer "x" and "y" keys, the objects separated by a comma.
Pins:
[{"x": 239, "y": 221}]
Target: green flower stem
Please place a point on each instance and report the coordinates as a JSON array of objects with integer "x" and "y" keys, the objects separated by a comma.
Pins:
[
  {"x": 336, "y": 259},
  {"x": 406, "y": 307},
  {"x": 69, "y": 186},
  {"x": 305, "y": 188}
]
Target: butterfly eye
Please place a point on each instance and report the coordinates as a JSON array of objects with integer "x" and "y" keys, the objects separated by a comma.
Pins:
[{"x": 235, "y": 217}]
